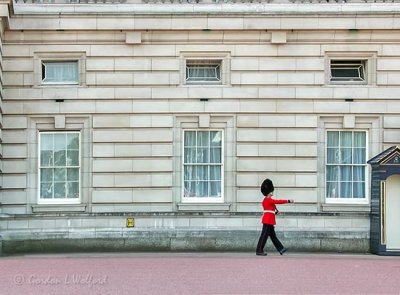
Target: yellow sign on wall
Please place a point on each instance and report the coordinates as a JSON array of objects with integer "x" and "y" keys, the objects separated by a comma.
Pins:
[{"x": 130, "y": 222}]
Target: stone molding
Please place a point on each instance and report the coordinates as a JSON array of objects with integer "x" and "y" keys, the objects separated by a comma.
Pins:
[{"x": 141, "y": 7}]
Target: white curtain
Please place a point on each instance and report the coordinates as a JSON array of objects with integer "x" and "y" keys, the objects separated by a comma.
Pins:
[
  {"x": 61, "y": 72},
  {"x": 359, "y": 154},
  {"x": 202, "y": 163}
]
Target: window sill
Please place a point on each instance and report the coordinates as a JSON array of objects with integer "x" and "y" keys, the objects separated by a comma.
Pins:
[
  {"x": 191, "y": 207},
  {"x": 58, "y": 208},
  {"x": 346, "y": 207},
  {"x": 348, "y": 83}
]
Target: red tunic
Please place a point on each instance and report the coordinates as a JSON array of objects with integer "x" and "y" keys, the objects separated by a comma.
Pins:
[{"x": 269, "y": 209}]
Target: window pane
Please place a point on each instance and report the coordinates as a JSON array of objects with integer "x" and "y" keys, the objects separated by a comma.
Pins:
[
  {"x": 359, "y": 156},
  {"x": 72, "y": 174},
  {"x": 206, "y": 73},
  {"x": 333, "y": 156},
  {"x": 359, "y": 173},
  {"x": 332, "y": 190},
  {"x": 73, "y": 141},
  {"x": 359, "y": 139},
  {"x": 72, "y": 158},
  {"x": 203, "y": 139},
  {"x": 46, "y": 175},
  {"x": 202, "y": 155},
  {"x": 215, "y": 189},
  {"x": 215, "y": 156},
  {"x": 60, "y": 72},
  {"x": 215, "y": 172},
  {"x": 190, "y": 172},
  {"x": 60, "y": 174},
  {"x": 73, "y": 189},
  {"x": 60, "y": 146},
  {"x": 343, "y": 72},
  {"x": 348, "y": 70},
  {"x": 333, "y": 139},
  {"x": 345, "y": 173},
  {"x": 190, "y": 189},
  {"x": 332, "y": 173},
  {"x": 46, "y": 190},
  {"x": 359, "y": 190},
  {"x": 346, "y": 156},
  {"x": 190, "y": 138},
  {"x": 202, "y": 189},
  {"x": 346, "y": 189},
  {"x": 46, "y": 142},
  {"x": 60, "y": 142},
  {"x": 216, "y": 138},
  {"x": 346, "y": 139},
  {"x": 190, "y": 155},
  {"x": 59, "y": 190},
  {"x": 46, "y": 158},
  {"x": 60, "y": 158},
  {"x": 202, "y": 173}
]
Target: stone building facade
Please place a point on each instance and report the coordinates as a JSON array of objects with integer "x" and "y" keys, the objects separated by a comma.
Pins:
[{"x": 150, "y": 125}]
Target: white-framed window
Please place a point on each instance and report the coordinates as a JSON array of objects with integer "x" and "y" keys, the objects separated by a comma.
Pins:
[
  {"x": 203, "y": 71},
  {"x": 205, "y": 68},
  {"x": 59, "y": 69},
  {"x": 60, "y": 72},
  {"x": 59, "y": 167},
  {"x": 203, "y": 163},
  {"x": 346, "y": 166},
  {"x": 348, "y": 70}
]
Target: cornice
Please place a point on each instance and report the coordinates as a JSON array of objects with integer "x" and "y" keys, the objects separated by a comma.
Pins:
[{"x": 222, "y": 9}]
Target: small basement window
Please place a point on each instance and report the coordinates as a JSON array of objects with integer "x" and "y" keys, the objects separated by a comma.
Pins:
[
  {"x": 203, "y": 71},
  {"x": 60, "y": 72},
  {"x": 348, "y": 71}
]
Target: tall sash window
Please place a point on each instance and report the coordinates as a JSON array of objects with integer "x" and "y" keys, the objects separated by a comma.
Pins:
[
  {"x": 346, "y": 167},
  {"x": 203, "y": 166},
  {"x": 59, "y": 167}
]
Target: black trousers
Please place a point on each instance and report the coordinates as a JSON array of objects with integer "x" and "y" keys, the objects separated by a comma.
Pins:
[{"x": 268, "y": 230}]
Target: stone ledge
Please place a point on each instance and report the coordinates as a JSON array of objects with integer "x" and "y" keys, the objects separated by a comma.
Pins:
[
  {"x": 169, "y": 241},
  {"x": 58, "y": 208},
  {"x": 210, "y": 213},
  {"x": 203, "y": 207},
  {"x": 345, "y": 208}
]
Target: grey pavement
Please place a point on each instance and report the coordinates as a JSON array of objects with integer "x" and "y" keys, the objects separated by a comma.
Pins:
[{"x": 199, "y": 273}]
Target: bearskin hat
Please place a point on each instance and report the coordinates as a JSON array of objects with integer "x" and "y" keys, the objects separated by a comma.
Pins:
[{"x": 267, "y": 187}]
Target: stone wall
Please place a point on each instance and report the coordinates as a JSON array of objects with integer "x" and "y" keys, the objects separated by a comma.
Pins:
[{"x": 182, "y": 232}]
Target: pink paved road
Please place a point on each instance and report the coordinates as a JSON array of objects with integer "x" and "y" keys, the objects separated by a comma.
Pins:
[{"x": 199, "y": 273}]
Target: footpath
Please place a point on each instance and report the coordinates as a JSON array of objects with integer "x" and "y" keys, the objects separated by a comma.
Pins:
[{"x": 199, "y": 273}]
